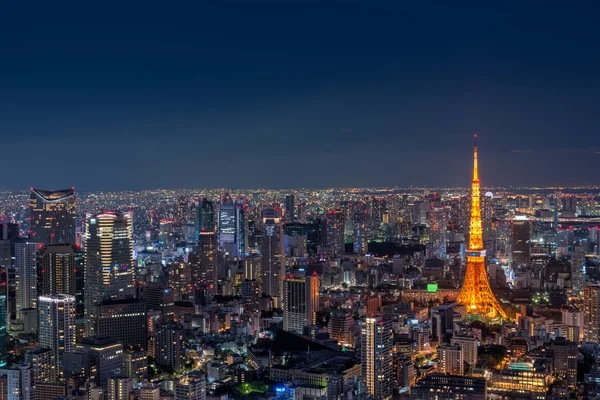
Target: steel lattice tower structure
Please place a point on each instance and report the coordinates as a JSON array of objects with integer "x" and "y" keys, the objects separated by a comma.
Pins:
[{"x": 476, "y": 293}]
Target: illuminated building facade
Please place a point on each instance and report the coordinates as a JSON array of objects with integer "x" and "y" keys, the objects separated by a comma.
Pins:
[
  {"x": 377, "y": 357},
  {"x": 438, "y": 386},
  {"x": 57, "y": 270},
  {"x": 336, "y": 221},
  {"x": 52, "y": 214},
  {"x": 26, "y": 276},
  {"x": 272, "y": 253},
  {"x": 591, "y": 313},
  {"x": 108, "y": 262},
  {"x": 300, "y": 302},
  {"x": 57, "y": 326},
  {"x": 476, "y": 294}
]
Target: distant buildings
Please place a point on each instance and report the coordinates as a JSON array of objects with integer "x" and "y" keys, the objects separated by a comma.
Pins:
[
  {"x": 57, "y": 326},
  {"x": 52, "y": 215}
]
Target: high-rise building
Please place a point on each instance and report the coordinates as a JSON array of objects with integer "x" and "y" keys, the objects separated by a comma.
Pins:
[
  {"x": 135, "y": 364},
  {"x": 564, "y": 359},
  {"x": 168, "y": 345},
  {"x": 108, "y": 262},
  {"x": 119, "y": 388},
  {"x": 438, "y": 223},
  {"x": 336, "y": 221},
  {"x": 205, "y": 216},
  {"x": 250, "y": 294},
  {"x": 3, "y": 317},
  {"x": 43, "y": 364},
  {"x": 57, "y": 270},
  {"x": 339, "y": 328},
  {"x": 191, "y": 386},
  {"x": 124, "y": 320},
  {"x": 578, "y": 267},
  {"x": 451, "y": 359},
  {"x": 57, "y": 325},
  {"x": 52, "y": 215},
  {"x": 300, "y": 302},
  {"x": 105, "y": 354},
  {"x": 206, "y": 270},
  {"x": 377, "y": 357},
  {"x": 26, "y": 275},
  {"x": 476, "y": 294},
  {"x": 160, "y": 298},
  {"x": 9, "y": 235},
  {"x": 591, "y": 313},
  {"x": 438, "y": 386},
  {"x": 290, "y": 211},
  {"x": 520, "y": 238},
  {"x": 272, "y": 253},
  {"x": 232, "y": 227}
]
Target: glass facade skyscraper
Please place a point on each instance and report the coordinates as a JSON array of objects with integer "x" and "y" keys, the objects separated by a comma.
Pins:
[{"x": 52, "y": 216}]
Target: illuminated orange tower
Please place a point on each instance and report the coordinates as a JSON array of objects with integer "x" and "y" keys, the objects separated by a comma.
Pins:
[{"x": 476, "y": 293}]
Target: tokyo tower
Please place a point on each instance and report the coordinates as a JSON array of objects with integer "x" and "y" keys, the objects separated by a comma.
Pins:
[{"x": 476, "y": 294}]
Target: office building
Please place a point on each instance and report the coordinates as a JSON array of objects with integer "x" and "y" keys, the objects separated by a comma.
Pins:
[
  {"x": 336, "y": 221},
  {"x": 105, "y": 354},
  {"x": 232, "y": 227},
  {"x": 124, "y": 320},
  {"x": 439, "y": 386},
  {"x": 438, "y": 223},
  {"x": 564, "y": 360},
  {"x": 290, "y": 211},
  {"x": 205, "y": 216},
  {"x": 57, "y": 326},
  {"x": 109, "y": 262},
  {"x": 377, "y": 357},
  {"x": 250, "y": 294},
  {"x": 57, "y": 270},
  {"x": 3, "y": 316},
  {"x": 520, "y": 236},
  {"x": 300, "y": 302},
  {"x": 206, "y": 270},
  {"x": 339, "y": 326},
  {"x": 52, "y": 216},
  {"x": 159, "y": 297},
  {"x": 26, "y": 276},
  {"x": 272, "y": 253},
  {"x": 168, "y": 345},
  {"x": 50, "y": 391}
]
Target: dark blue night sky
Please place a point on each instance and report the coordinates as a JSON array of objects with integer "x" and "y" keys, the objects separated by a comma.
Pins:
[{"x": 278, "y": 94}]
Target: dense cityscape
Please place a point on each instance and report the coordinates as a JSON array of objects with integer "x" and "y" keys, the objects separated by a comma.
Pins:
[{"x": 372, "y": 293}]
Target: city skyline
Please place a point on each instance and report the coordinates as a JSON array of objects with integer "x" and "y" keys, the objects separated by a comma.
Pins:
[{"x": 295, "y": 95}]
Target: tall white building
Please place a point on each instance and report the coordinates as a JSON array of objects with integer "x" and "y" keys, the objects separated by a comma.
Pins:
[
  {"x": 377, "y": 357},
  {"x": 26, "y": 275},
  {"x": 57, "y": 326},
  {"x": 468, "y": 347},
  {"x": 451, "y": 360},
  {"x": 300, "y": 302}
]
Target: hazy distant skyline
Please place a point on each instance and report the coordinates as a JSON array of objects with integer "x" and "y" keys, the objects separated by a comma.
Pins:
[{"x": 292, "y": 94}]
